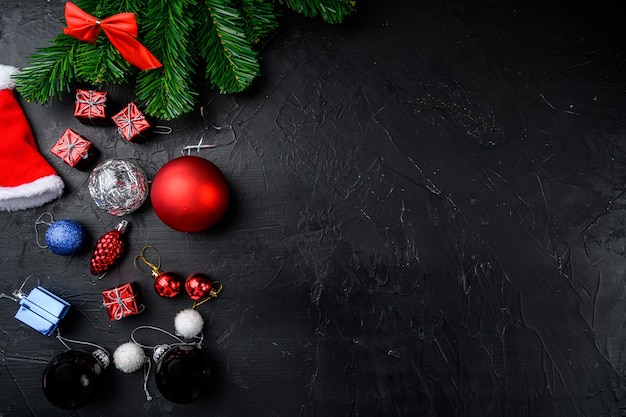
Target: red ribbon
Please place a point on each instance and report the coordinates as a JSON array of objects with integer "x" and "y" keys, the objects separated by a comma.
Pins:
[{"x": 121, "y": 29}]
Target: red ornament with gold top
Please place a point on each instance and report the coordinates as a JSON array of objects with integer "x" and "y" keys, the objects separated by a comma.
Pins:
[
  {"x": 91, "y": 107},
  {"x": 167, "y": 284},
  {"x": 121, "y": 301},
  {"x": 198, "y": 287},
  {"x": 73, "y": 149},
  {"x": 131, "y": 123}
]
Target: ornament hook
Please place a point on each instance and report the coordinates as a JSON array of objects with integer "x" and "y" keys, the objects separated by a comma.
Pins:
[
  {"x": 154, "y": 269},
  {"x": 18, "y": 294},
  {"x": 186, "y": 150},
  {"x": 159, "y": 350},
  {"x": 213, "y": 293},
  {"x": 198, "y": 146},
  {"x": 101, "y": 354},
  {"x": 40, "y": 220}
]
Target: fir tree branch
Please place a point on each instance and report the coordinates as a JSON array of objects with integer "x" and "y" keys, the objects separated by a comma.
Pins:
[
  {"x": 167, "y": 92},
  {"x": 101, "y": 63},
  {"x": 49, "y": 72},
  {"x": 259, "y": 17},
  {"x": 178, "y": 32},
  {"x": 231, "y": 63},
  {"x": 105, "y": 8},
  {"x": 332, "y": 11}
]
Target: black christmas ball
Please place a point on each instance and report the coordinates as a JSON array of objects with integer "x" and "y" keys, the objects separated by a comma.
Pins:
[
  {"x": 183, "y": 373},
  {"x": 72, "y": 379}
]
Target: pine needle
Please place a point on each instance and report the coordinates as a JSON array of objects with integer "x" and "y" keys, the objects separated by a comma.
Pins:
[
  {"x": 168, "y": 92},
  {"x": 51, "y": 71},
  {"x": 231, "y": 63}
]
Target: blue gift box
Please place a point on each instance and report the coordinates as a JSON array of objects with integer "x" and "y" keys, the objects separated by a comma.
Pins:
[{"x": 42, "y": 310}]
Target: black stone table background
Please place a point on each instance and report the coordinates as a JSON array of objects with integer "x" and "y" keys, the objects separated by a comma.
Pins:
[{"x": 427, "y": 218}]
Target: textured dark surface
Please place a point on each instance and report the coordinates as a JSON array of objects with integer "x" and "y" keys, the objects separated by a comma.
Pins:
[{"x": 427, "y": 219}]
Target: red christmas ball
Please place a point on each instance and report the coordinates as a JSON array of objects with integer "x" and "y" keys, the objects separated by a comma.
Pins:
[
  {"x": 167, "y": 284},
  {"x": 198, "y": 286},
  {"x": 189, "y": 194}
]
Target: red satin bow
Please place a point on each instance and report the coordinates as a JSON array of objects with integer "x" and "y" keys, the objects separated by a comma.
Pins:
[{"x": 121, "y": 29}]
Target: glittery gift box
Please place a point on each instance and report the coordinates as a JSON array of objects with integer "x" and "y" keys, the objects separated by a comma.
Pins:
[
  {"x": 91, "y": 107},
  {"x": 121, "y": 301},
  {"x": 73, "y": 149},
  {"x": 41, "y": 310},
  {"x": 131, "y": 123}
]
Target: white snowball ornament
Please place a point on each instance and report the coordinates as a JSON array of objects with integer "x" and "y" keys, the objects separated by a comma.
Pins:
[
  {"x": 129, "y": 357},
  {"x": 188, "y": 323}
]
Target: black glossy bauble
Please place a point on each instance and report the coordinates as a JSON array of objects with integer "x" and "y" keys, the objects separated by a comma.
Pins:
[
  {"x": 183, "y": 373},
  {"x": 72, "y": 379}
]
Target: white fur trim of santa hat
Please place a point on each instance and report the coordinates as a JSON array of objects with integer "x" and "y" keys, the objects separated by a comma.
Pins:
[
  {"x": 6, "y": 72},
  {"x": 30, "y": 195},
  {"x": 27, "y": 180}
]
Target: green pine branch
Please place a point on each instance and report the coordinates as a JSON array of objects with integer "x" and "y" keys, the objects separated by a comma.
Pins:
[
  {"x": 101, "y": 63},
  {"x": 332, "y": 11},
  {"x": 259, "y": 17},
  {"x": 51, "y": 71},
  {"x": 220, "y": 34},
  {"x": 105, "y": 8},
  {"x": 231, "y": 63},
  {"x": 167, "y": 92}
]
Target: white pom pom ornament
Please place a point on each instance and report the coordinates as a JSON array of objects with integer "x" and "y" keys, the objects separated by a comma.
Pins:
[
  {"x": 188, "y": 323},
  {"x": 129, "y": 357}
]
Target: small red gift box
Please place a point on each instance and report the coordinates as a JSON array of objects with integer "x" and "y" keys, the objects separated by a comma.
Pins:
[
  {"x": 131, "y": 122},
  {"x": 121, "y": 301},
  {"x": 72, "y": 148},
  {"x": 91, "y": 107}
]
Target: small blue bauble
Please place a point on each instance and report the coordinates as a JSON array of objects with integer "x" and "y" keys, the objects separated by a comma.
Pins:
[{"x": 65, "y": 237}]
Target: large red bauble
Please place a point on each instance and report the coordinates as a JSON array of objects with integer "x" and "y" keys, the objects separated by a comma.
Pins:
[{"x": 189, "y": 194}]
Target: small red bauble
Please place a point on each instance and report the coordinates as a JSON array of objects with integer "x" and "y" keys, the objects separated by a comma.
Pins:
[
  {"x": 189, "y": 194},
  {"x": 167, "y": 284},
  {"x": 198, "y": 286}
]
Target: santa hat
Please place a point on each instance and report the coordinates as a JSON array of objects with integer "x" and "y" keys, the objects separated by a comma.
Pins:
[{"x": 27, "y": 180}]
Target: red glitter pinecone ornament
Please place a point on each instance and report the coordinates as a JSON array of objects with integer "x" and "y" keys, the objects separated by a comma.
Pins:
[{"x": 109, "y": 249}]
